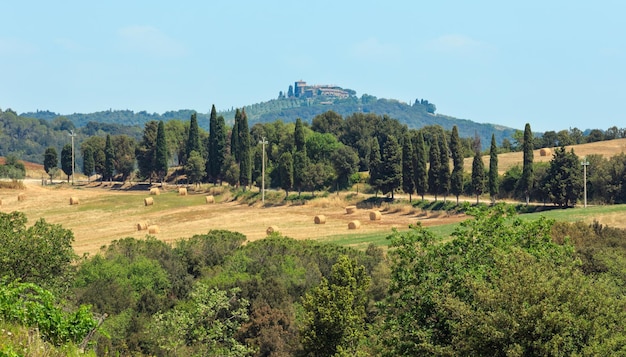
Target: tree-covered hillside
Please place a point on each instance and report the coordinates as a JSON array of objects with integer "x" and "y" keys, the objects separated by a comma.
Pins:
[{"x": 288, "y": 109}]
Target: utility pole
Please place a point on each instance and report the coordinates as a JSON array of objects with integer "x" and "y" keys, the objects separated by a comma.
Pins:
[
  {"x": 72, "y": 135},
  {"x": 263, "y": 142},
  {"x": 585, "y": 163}
]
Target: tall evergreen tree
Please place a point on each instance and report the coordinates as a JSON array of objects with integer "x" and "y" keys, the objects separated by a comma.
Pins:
[
  {"x": 234, "y": 137},
  {"x": 456, "y": 179},
  {"x": 420, "y": 164},
  {"x": 493, "y": 170},
  {"x": 375, "y": 163},
  {"x": 300, "y": 161},
  {"x": 408, "y": 171},
  {"x": 285, "y": 172},
  {"x": 88, "y": 162},
  {"x": 160, "y": 162},
  {"x": 66, "y": 160},
  {"x": 444, "y": 175},
  {"x": 193, "y": 142},
  {"x": 245, "y": 151},
  {"x": 528, "y": 178},
  {"x": 146, "y": 150},
  {"x": 218, "y": 161},
  {"x": 50, "y": 161},
  {"x": 478, "y": 171},
  {"x": 434, "y": 170},
  {"x": 109, "y": 157},
  {"x": 391, "y": 166},
  {"x": 211, "y": 167}
]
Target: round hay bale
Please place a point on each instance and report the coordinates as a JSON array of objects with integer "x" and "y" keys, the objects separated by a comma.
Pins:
[
  {"x": 375, "y": 215},
  {"x": 148, "y": 201},
  {"x": 271, "y": 229},
  {"x": 182, "y": 191},
  {"x": 74, "y": 201},
  {"x": 153, "y": 229},
  {"x": 354, "y": 224},
  {"x": 350, "y": 209},
  {"x": 155, "y": 191},
  {"x": 545, "y": 152},
  {"x": 21, "y": 197},
  {"x": 142, "y": 226},
  {"x": 320, "y": 219},
  {"x": 210, "y": 199}
]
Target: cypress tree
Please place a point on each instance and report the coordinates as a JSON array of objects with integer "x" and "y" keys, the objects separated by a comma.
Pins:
[
  {"x": 160, "y": 161},
  {"x": 478, "y": 171},
  {"x": 193, "y": 142},
  {"x": 434, "y": 170},
  {"x": 50, "y": 161},
  {"x": 391, "y": 166},
  {"x": 299, "y": 158},
  {"x": 493, "y": 169},
  {"x": 456, "y": 179},
  {"x": 234, "y": 137},
  {"x": 245, "y": 151},
  {"x": 218, "y": 161},
  {"x": 66, "y": 160},
  {"x": 285, "y": 172},
  {"x": 444, "y": 175},
  {"x": 211, "y": 167},
  {"x": 420, "y": 164},
  {"x": 88, "y": 162},
  {"x": 527, "y": 179},
  {"x": 408, "y": 171},
  {"x": 146, "y": 150},
  {"x": 375, "y": 163},
  {"x": 109, "y": 156}
]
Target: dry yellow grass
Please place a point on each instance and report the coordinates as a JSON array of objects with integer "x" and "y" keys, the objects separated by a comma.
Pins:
[
  {"x": 100, "y": 219},
  {"x": 607, "y": 149}
]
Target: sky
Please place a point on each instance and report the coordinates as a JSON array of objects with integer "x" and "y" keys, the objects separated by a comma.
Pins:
[{"x": 553, "y": 64}]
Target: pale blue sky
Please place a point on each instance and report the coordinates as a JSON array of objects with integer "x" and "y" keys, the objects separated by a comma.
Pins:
[{"x": 554, "y": 64}]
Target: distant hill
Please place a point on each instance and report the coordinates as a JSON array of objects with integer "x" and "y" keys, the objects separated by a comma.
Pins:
[{"x": 305, "y": 102}]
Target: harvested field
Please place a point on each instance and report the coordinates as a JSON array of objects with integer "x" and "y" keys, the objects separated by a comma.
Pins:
[{"x": 107, "y": 214}]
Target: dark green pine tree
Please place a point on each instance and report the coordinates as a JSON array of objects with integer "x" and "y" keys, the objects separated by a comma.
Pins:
[
  {"x": 245, "y": 151},
  {"x": 434, "y": 170},
  {"x": 456, "y": 179},
  {"x": 493, "y": 170},
  {"x": 408, "y": 171},
  {"x": 66, "y": 160},
  {"x": 218, "y": 161},
  {"x": 160, "y": 162},
  {"x": 234, "y": 137},
  {"x": 89, "y": 164},
  {"x": 444, "y": 175},
  {"x": 527, "y": 180},
  {"x": 109, "y": 156},
  {"x": 193, "y": 142},
  {"x": 391, "y": 166},
  {"x": 211, "y": 167},
  {"x": 478, "y": 171},
  {"x": 375, "y": 163},
  {"x": 299, "y": 157},
  {"x": 420, "y": 164}
]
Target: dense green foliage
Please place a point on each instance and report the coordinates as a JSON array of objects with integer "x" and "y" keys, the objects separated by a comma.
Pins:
[{"x": 501, "y": 287}]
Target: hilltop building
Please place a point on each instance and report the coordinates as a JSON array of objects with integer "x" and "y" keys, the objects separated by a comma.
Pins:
[{"x": 302, "y": 90}]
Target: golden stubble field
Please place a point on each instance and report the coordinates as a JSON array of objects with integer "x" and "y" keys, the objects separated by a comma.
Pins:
[
  {"x": 607, "y": 149},
  {"x": 106, "y": 214}
]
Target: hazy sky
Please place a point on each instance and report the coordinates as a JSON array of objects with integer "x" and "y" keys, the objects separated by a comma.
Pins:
[{"x": 553, "y": 64}]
